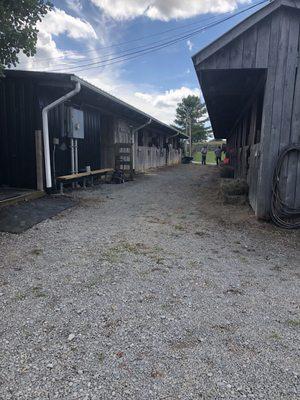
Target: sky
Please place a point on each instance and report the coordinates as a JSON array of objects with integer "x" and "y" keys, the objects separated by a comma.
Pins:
[{"x": 78, "y": 34}]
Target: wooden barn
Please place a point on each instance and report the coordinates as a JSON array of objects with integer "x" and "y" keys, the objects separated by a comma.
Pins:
[
  {"x": 251, "y": 84},
  {"x": 82, "y": 127}
]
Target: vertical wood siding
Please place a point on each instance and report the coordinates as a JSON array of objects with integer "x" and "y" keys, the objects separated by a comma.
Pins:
[
  {"x": 273, "y": 43},
  {"x": 21, "y": 103},
  {"x": 18, "y": 104}
]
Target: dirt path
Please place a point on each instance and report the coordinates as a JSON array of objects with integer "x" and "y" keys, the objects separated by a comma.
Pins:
[{"x": 150, "y": 290}]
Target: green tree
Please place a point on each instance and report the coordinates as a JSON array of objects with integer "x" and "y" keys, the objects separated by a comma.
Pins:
[
  {"x": 18, "y": 32},
  {"x": 191, "y": 111}
]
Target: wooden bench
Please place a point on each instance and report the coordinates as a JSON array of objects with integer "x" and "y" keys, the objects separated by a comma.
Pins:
[{"x": 82, "y": 175}]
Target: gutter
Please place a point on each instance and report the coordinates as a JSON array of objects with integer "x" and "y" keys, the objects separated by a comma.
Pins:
[
  {"x": 176, "y": 134},
  {"x": 46, "y": 130}
]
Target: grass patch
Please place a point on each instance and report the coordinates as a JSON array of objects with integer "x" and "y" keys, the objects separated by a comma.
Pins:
[
  {"x": 275, "y": 336},
  {"x": 38, "y": 292},
  {"x": 179, "y": 227},
  {"x": 114, "y": 253},
  {"x": 20, "y": 296},
  {"x": 101, "y": 358},
  {"x": 294, "y": 322}
]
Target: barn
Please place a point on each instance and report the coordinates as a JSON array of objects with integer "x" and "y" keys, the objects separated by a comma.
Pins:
[
  {"x": 251, "y": 84},
  {"x": 82, "y": 126}
]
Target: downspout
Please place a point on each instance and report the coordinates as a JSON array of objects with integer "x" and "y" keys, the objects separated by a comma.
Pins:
[
  {"x": 46, "y": 130},
  {"x": 133, "y": 132}
]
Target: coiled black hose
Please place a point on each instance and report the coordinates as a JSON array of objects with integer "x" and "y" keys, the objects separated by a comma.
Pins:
[{"x": 283, "y": 215}]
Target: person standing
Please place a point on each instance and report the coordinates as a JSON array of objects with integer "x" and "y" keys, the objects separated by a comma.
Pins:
[
  {"x": 204, "y": 154},
  {"x": 218, "y": 153}
]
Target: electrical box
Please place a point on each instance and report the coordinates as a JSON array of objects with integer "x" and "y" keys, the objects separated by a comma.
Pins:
[{"x": 75, "y": 123}]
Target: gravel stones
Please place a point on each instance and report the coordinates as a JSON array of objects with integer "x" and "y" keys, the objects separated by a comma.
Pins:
[{"x": 148, "y": 290}]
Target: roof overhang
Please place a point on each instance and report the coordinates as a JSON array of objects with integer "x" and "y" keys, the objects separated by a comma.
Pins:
[{"x": 227, "y": 93}]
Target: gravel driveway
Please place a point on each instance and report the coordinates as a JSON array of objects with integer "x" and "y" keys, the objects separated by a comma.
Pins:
[{"x": 150, "y": 290}]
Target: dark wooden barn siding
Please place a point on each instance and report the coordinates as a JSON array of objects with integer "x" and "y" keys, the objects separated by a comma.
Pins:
[
  {"x": 245, "y": 140},
  {"x": 89, "y": 148},
  {"x": 273, "y": 43},
  {"x": 107, "y": 141},
  {"x": 18, "y": 104}
]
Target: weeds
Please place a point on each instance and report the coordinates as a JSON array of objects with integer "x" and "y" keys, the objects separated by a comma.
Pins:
[
  {"x": 20, "y": 296},
  {"x": 38, "y": 292},
  {"x": 275, "y": 336},
  {"x": 294, "y": 322}
]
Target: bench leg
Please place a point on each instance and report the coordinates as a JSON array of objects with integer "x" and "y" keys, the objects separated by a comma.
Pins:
[
  {"x": 84, "y": 183},
  {"x": 92, "y": 180},
  {"x": 61, "y": 187}
]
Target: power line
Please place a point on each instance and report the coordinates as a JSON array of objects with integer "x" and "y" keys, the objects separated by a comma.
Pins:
[
  {"x": 136, "y": 39},
  {"x": 155, "y": 47},
  {"x": 41, "y": 61}
]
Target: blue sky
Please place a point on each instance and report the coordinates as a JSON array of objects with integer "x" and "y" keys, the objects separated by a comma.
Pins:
[{"x": 80, "y": 32}]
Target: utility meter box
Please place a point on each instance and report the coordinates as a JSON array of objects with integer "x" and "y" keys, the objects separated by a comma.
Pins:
[{"x": 75, "y": 123}]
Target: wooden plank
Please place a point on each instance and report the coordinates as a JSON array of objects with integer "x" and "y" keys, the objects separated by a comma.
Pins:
[
  {"x": 263, "y": 43},
  {"x": 101, "y": 171},
  {"x": 249, "y": 50},
  {"x": 236, "y": 53},
  {"x": 288, "y": 174},
  {"x": 277, "y": 110},
  {"x": 293, "y": 178},
  {"x": 222, "y": 58},
  {"x": 39, "y": 161},
  {"x": 73, "y": 176},
  {"x": 264, "y": 176}
]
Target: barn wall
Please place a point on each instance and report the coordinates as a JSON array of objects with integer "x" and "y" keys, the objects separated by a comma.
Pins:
[
  {"x": 244, "y": 146},
  {"x": 154, "y": 151},
  {"x": 272, "y": 43},
  {"x": 93, "y": 150},
  {"x": 21, "y": 104},
  {"x": 18, "y": 122},
  {"x": 281, "y": 117}
]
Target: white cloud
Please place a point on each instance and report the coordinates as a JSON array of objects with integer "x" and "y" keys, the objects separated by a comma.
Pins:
[
  {"x": 164, "y": 9},
  {"x": 163, "y": 105},
  {"x": 58, "y": 21},
  {"x": 75, "y": 5},
  {"x": 190, "y": 45},
  {"x": 48, "y": 55}
]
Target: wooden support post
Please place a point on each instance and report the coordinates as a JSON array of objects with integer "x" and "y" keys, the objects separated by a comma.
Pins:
[{"x": 39, "y": 161}]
